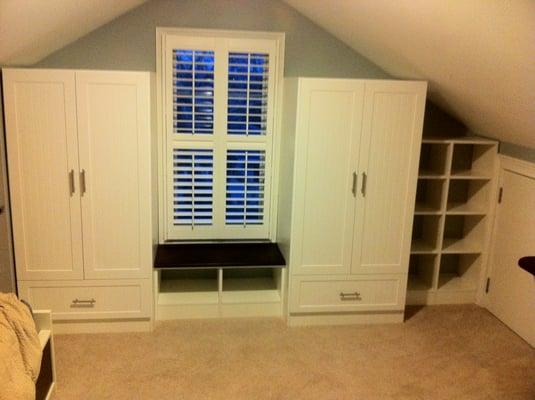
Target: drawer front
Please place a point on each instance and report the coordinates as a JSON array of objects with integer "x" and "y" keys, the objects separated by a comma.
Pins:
[
  {"x": 90, "y": 299},
  {"x": 339, "y": 294}
]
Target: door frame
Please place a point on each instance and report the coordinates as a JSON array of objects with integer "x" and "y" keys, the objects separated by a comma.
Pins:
[{"x": 516, "y": 166}]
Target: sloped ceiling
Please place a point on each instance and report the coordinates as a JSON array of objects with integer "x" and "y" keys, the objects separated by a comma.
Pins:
[
  {"x": 32, "y": 29},
  {"x": 478, "y": 55}
]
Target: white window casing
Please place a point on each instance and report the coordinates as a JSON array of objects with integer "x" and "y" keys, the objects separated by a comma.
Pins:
[{"x": 219, "y": 107}]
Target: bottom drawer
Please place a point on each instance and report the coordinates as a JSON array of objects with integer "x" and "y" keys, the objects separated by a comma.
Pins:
[
  {"x": 347, "y": 294},
  {"x": 90, "y": 299}
]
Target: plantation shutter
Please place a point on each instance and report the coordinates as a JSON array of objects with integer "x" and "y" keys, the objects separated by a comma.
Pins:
[
  {"x": 248, "y": 75},
  {"x": 193, "y": 171},
  {"x": 245, "y": 187},
  {"x": 193, "y": 91},
  {"x": 219, "y": 102}
]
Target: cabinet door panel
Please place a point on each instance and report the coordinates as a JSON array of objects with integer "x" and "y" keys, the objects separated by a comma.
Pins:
[
  {"x": 392, "y": 129},
  {"x": 42, "y": 150},
  {"x": 113, "y": 125},
  {"x": 328, "y": 136}
]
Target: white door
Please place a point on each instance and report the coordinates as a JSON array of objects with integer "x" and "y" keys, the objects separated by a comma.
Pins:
[
  {"x": 327, "y": 140},
  {"x": 42, "y": 154},
  {"x": 114, "y": 137},
  {"x": 511, "y": 294},
  {"x": 388, "y": 166}
]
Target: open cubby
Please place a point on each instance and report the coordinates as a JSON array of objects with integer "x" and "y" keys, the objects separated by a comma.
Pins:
[
  {"x": 453, "y": 199},
  {"x": 429, "y": 196},
  {"x": 251, "y": 285},
  {"x": 468, "y": 197},
  {"x": 425, "y": 230},
  {"x": 189, "y": 286},
  {"x": 473, "y": 160},
  {"x": 421, "y": 271},
  {"x": 463, "y": 234},
  {"x": 459, "y": 272},
  {"x": 433, "y": 158}
]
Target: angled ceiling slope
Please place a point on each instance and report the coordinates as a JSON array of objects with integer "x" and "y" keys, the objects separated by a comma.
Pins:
[
  {"x": 32, "y": 29},
  {"x": 478, "y": 55}
]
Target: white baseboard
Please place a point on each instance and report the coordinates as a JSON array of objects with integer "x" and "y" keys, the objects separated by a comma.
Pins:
[
  {"x": 345, "y": 319},
  {"x": 102, "y": 326}
]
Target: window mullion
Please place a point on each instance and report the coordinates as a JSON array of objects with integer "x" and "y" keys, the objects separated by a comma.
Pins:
[{"x": 220, "y": 134}]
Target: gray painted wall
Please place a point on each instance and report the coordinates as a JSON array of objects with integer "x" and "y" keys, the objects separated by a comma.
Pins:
[
  {"x": 516, "y": 151},
  {"x": 129, "y": 42}
]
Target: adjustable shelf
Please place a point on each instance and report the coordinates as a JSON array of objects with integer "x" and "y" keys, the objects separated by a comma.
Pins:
[
  {"x": 463, "y": 234},
  {"x": 459, "y": 272},
  {"x": 473, "y": 161},
  {"x": 429, "y": 195},
  {"x": 189, "y": 287},
  {"x": 421, "y": 271},
  {"x": 433, "y": 160},
  {"x": 424, "y": 234},
  {"x": 455, "y": 189},
  {"x": 250, "y": 286},
  {"x": 468, "y": 197}
]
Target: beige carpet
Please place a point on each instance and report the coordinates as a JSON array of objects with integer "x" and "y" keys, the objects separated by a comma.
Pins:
[{"x": 441, "y": 352}]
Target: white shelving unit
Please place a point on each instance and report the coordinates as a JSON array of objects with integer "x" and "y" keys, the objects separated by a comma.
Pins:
[
  {"x": 219, "y": 292},
  {"x": 456, "y": 188}
]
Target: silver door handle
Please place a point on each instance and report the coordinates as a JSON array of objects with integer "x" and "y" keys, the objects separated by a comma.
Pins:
[
  {"x": 71, "y": 182},
  {"x": 83, "y": 303},
  {"x": 350, "y": 296},
  {"x": 363, "y": 187},
  {"x": 354, "y": 185},
  {"x": 82, "y": 182}
]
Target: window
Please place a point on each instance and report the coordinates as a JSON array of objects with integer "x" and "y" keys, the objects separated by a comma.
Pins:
[{"x": 218, "y": 92}]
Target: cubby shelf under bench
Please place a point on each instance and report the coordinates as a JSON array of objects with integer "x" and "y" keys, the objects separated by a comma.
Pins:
[{"x": 209, "y": 280}]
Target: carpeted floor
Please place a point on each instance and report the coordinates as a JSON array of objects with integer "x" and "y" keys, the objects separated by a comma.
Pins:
[{"x": 441, "y": 352}]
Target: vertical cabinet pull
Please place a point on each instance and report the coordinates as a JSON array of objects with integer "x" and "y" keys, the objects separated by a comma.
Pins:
[
  {"x": 354, "y": 186},
  {"x": 82, "y": 182},
  {"x": 71, "y": 182},
  {"x": 363, "y": 187}
]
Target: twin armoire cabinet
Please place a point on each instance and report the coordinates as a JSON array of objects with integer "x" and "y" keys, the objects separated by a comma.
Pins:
[
  {"x": 78, "y": 146},
  {"x": 79, "y": 155},
  {"x": 349, "y": 166}
]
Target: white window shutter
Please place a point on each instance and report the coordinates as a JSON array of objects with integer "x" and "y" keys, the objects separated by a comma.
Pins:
[
  {"x": 248, "y": 75},
  {"x": 193, "y": 91},
  {"x": 218, "y": 132},
  {"x": 193, "y": 182},
  {"x": 245, "y": 187}
]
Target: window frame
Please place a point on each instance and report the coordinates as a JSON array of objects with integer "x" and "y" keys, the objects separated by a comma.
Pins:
[{"x": 242, "y": 41}]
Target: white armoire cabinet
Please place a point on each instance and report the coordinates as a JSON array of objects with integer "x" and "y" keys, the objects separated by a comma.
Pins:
[
  {"x": 78, "y": 145},
  {"x": 345, "y": 216}
]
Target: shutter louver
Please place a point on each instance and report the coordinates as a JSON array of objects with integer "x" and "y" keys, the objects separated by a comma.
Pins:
[
  {"x": 193, "y": 91},
  {"x": 247, "y": 93},
  {"x": 245, "y": 187},
  {"x": 193, "y": 186}
]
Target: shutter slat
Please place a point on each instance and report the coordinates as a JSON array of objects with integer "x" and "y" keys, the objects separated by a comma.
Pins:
[{"x": 193, "y": 197}]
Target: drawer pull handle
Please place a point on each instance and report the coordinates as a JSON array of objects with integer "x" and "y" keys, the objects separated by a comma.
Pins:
[
  {"x": 350, "y": 296},
  {"x": 83, "y": 303}
]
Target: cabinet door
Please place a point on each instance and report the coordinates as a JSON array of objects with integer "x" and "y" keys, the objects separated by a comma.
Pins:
[
  {"x": 43, "y": 158},
  {"x": 328, "y": 136},
  {"x": 388, "y": 165},
  {"x": 114, "y": 135}
]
